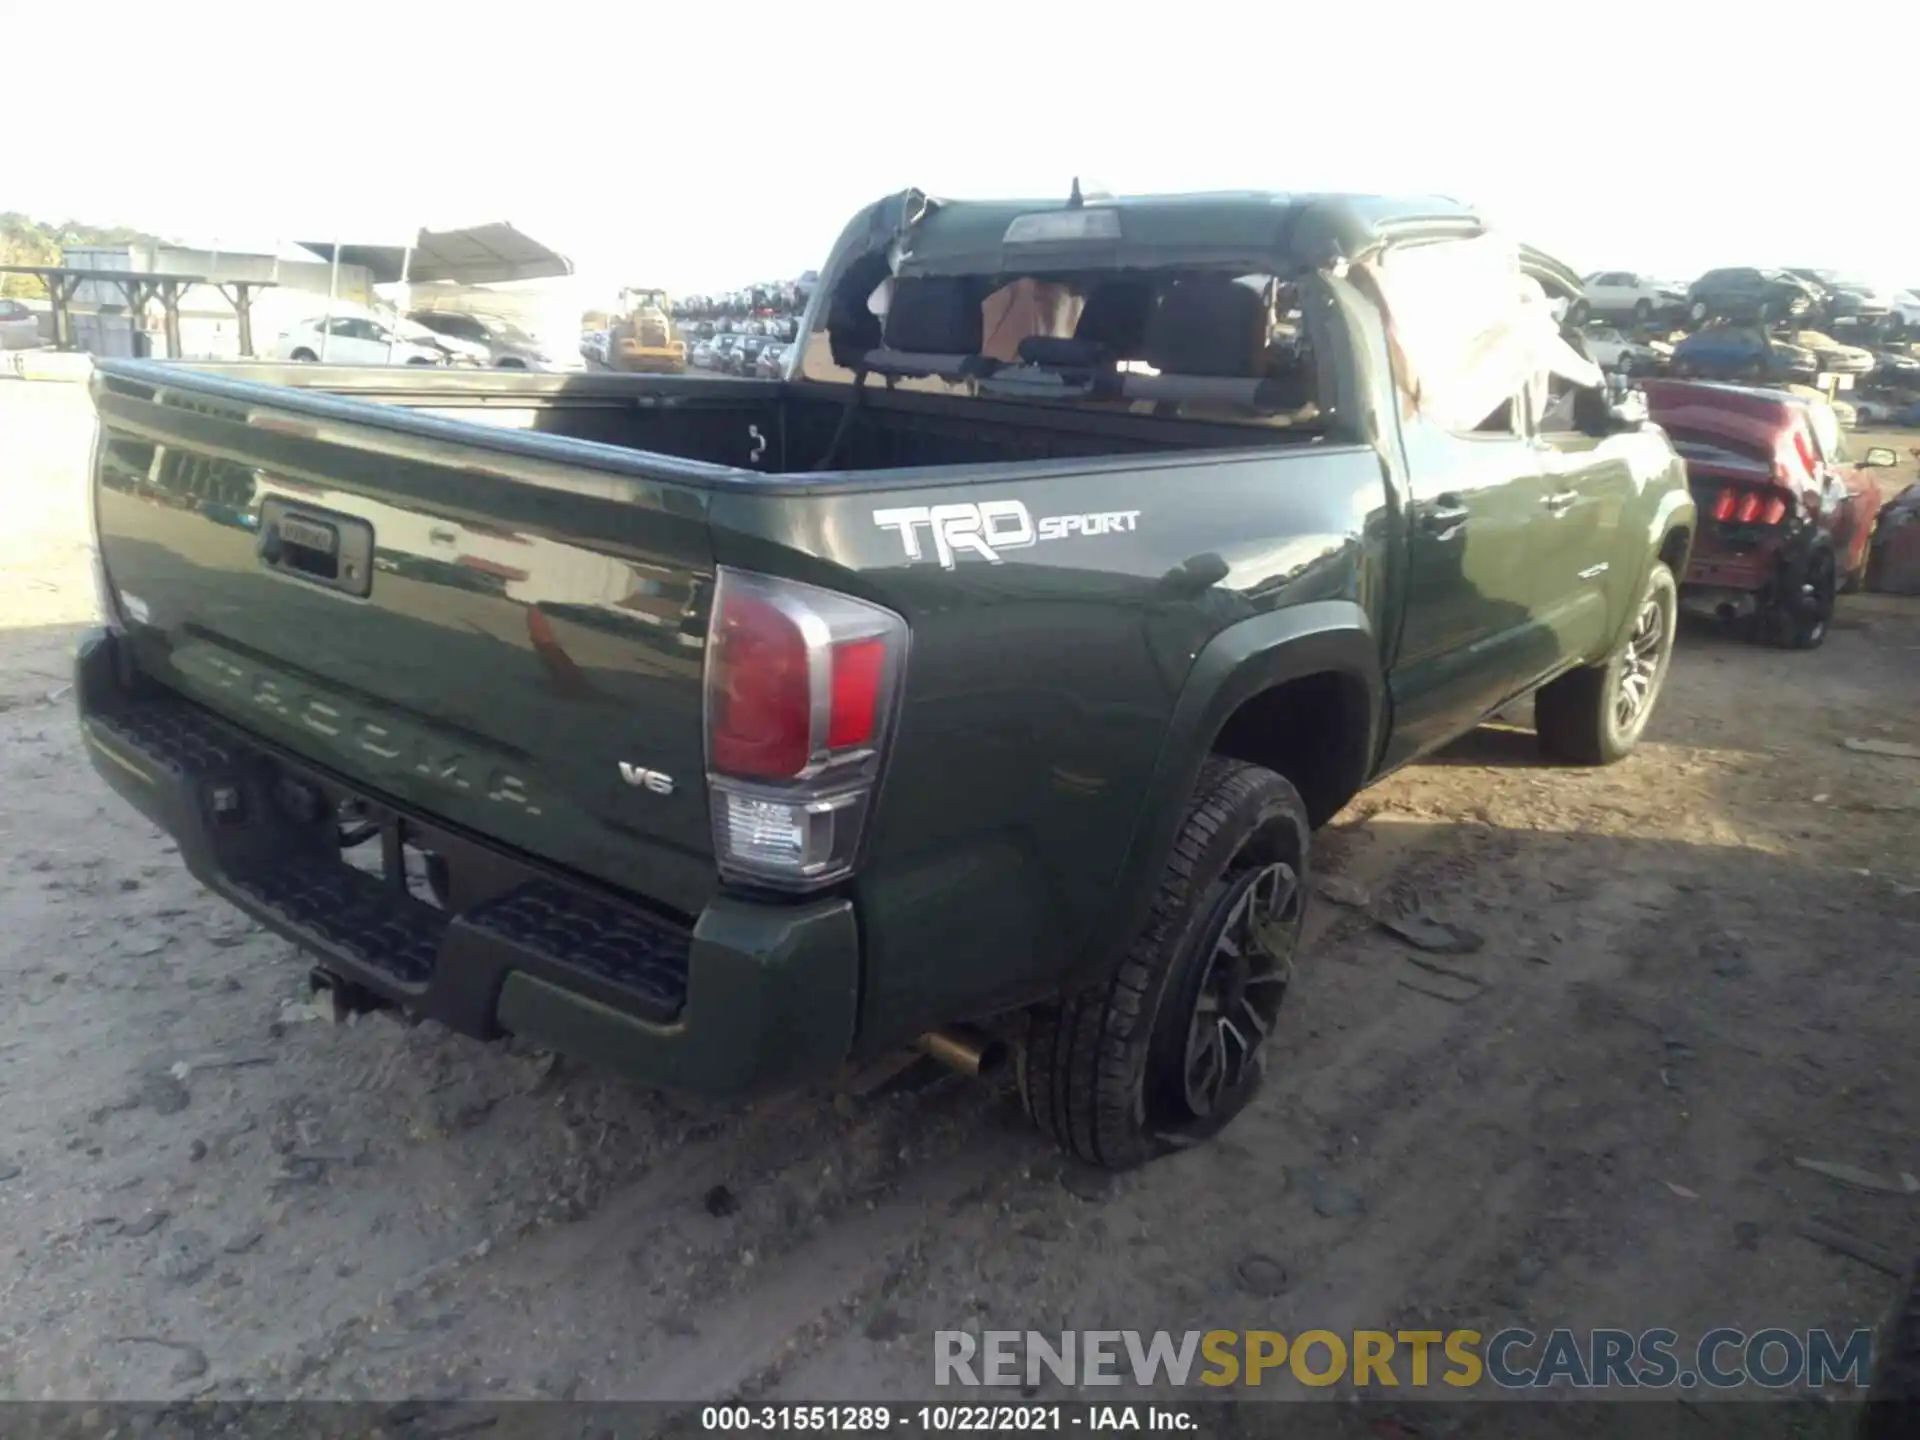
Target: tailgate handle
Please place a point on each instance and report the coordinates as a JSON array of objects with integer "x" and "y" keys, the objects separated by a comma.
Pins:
[{"x": 1559, "y": 504}]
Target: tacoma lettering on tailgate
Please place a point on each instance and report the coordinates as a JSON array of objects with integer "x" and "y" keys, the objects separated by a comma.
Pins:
[{"x": 397, "y": 744}]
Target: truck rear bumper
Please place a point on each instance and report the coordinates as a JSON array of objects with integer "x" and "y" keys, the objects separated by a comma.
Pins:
[{"x": 748, "y": 996}]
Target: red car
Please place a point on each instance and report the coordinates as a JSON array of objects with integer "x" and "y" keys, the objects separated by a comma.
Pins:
[{"x": 1786, "y": 513}]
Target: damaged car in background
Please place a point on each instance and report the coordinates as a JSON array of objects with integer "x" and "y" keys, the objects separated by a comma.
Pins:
[
  {"x": 1833, "y": 356},
  {"x": 1845, "y": 300},
  {"x": 1731, "y": 350},
  {"x": 1613, "y": 351},
  {"x": 1894, "y": 567},
  {"x": 1786, "y": 513},
  {"x": 1748, "y": 294},
  {"x": 1627, "y": 296}
]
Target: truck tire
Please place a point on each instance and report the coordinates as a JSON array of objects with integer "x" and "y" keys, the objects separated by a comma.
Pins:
[
  {"x": 1595, "y": 715},
  {"x": 1892, "y": 1408},
  {"x": 1800, "y": 619},
  {"x": 1166, "y": 1050}
]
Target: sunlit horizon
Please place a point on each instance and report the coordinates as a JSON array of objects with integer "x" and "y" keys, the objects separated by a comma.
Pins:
[{"x": 710, "y": 149}]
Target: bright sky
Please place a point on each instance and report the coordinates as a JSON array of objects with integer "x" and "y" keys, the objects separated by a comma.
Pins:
[{"x": 710, "y": 145}]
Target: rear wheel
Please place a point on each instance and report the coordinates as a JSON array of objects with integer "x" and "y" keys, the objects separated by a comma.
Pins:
[
  {"x": 1164, "y": 1052},
  {"x": 304, "y": 354},
  {"x": 1800, "y": 619},
  {"x": 1595, "y": 715},
  {"x": 1892, "y": 1406},
  {"x": 1642, "y": 312},
  {"x": 1855, "y": 580}
]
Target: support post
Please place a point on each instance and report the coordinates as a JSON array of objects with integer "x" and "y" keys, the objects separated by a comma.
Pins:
[
  {"x": 333, "y": 293},
  {"x": 243, "y": 307},
  {"x": 60, "y": 290},
  {"x": 170, "y": 316},
  {"x": 135, "y": 292},
  {"x": 400, "y": 308}
]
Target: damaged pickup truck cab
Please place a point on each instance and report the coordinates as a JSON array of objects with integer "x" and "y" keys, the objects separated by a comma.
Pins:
[{"x": 977, "y": 685}]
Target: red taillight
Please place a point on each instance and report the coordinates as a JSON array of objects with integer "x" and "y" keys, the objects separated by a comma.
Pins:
[
  {"x": 762, "y": 720},
  {"x": 800, "y": 689},
  {"x": 857, "y": 669},
  {"x": 1744, "y": 506},
  {"x": 1803, "y": 450}
]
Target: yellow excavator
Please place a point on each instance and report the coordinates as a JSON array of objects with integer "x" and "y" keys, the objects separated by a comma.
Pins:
[{"x": 641, "y": 337}]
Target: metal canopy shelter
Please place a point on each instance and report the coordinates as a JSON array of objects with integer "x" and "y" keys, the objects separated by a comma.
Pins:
[
  {"x": 140, "y": 287},
  {"x": 478, "y": 255}
]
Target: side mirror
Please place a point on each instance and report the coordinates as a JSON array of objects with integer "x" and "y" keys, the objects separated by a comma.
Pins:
[{"x": 1881, "y": 457}]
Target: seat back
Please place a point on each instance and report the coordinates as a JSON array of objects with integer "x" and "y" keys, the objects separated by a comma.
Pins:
[{"x": 1208, "y": 325}]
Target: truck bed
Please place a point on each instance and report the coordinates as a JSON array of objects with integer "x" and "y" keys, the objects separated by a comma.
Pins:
[{"x": 773, "y": 428}]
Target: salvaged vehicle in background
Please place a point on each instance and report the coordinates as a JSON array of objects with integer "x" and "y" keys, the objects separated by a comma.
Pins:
[
  {"x": 1894, "y": 566},
  {"x": 979, "y": 686},
  {"x": 1896, "y": 368},
  {"x": 19, "y": 326},
  {"x": 357, "y": 339},
  {"x": 1613, "y": 351},
  {"x": 1730, "y": 350},
  {"x": 1831, "y": 355},
  {"x": 771, "y": 363},
  {"x": 499, "y": 341},
  {"x": 1623, "y": 295},
  {"x": 1845, "y": 300},
  {"x": 1748, "y": 294},
  {"x": 1786, "y": 514}
]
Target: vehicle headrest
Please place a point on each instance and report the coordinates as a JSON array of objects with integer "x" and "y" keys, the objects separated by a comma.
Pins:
[
  {"x": 935, "y": 315},
  {"x": 1115, "y": 316},
  {"x": 1208, "y": 325},
  {"x": 853, "y": 329}
]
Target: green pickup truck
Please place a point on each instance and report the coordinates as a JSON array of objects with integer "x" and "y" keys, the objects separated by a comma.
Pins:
[{"x": 978, "y": 685}]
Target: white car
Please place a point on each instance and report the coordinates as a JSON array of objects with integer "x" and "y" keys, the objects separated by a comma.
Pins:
[
  {"x": 1623, "y": 294},
  {"x": 354, "y": 340},
  {"x": 1611, "y": 350},
  {"x": 19, "y": 326}
]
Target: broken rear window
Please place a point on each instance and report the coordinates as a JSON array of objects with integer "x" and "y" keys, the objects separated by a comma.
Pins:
[{"x": 1194, "y": 344}]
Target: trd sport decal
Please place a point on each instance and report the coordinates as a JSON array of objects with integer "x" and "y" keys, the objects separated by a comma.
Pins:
[{"x": 992, "y": 526}]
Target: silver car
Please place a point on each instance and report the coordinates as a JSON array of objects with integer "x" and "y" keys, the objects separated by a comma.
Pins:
[
  {"x": 19, "y": 326},
  {"x": 508, "y": 346}
]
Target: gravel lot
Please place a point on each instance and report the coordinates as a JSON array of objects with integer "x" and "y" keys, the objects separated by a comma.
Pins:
[{"x": 1697, "y": 967}]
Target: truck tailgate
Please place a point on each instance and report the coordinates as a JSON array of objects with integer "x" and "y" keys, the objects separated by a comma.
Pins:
[{"x": 484, "y": 632}]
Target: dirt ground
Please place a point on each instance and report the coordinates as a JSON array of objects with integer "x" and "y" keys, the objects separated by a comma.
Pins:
[{"x": 1697, "y": 967}]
